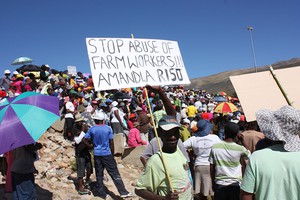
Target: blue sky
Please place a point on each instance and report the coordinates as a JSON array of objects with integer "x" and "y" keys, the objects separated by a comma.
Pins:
[{"x": 211, "y": 34}]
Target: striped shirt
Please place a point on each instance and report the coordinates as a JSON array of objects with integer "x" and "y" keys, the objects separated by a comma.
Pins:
[{"x": 226, "y": 158}]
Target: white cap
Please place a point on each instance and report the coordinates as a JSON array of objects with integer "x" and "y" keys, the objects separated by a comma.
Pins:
[
  {"x": 186, "y": 121},
  {"x": 7, "y": 72},
  {"x": 99, "y": 116},
  {"x": 15, "y": 73}
]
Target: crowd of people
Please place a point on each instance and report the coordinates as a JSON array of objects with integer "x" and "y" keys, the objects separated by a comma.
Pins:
[{"x": 199, "y": 154}]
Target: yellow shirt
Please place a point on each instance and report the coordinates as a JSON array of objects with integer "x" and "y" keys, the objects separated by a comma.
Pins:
[{"x": 191, "y": 111}]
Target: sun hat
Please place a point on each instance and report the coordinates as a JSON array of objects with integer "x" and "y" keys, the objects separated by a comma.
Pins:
[
  {"x": 108, "y": 101},
  {"x": 184, "y": 105},
  {"x": 88, "y": 88},
  {"x": 72, "y": 92},
  {"x": 88, "y": 95},
  {"x": 204, "y": 128},
  {"x": 95, "y": 102},
  {"x": 168, "y": 122},
  {"x": 79, "y": 118},
  {"x": 103, "y": 105},
  {"x": 98, "y": 116},
  {"x": 114, "y": 103},
  {"x": 186, "y": 121},
  {"x": 136, "y": 124},
  {"x": 281, "y": 125},
  {"x": 15, "y": 73},
  {"x": 7, "y": 72},
  {"x": 20, "y": 76}
]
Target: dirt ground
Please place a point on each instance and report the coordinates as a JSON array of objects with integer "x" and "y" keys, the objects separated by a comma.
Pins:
[{"x": 56, "y": 178}]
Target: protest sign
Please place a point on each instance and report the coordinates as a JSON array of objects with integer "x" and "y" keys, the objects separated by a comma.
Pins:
[
  {"x": 123, "y": 62},
  {"x": 72, "y": 70},
  {"x": 260, "y": 91}
]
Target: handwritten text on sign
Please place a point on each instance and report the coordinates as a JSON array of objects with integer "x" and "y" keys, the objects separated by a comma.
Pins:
[{"x": 121, "y": 63}]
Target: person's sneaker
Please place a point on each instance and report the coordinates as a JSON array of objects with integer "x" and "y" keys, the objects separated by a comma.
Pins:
[{"x": 126, "y": 195}]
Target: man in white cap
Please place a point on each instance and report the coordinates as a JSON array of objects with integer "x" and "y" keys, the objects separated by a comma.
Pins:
[
  {"x": 103, "y": 144},
  {"x": 5, "y": 81},
  {"x": 273, "y": 172}
]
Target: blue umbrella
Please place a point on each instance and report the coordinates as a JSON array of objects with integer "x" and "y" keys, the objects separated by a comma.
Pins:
[
  {"x": 219, "y": 99},
  {"x": 22, "y": 60},
  {"x": 23, "y": 119}
]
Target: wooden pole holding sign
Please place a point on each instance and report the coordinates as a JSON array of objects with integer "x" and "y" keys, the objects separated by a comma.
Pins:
[
  {"x": 157, "y": 138},
  {"x": 279, "y": 85}
]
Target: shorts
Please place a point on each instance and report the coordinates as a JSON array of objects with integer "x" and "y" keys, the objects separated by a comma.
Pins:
[{"x": 83, "y": 164}]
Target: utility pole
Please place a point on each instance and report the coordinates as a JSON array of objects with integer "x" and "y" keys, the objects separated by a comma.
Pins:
[{"x": 250, "y": 29}]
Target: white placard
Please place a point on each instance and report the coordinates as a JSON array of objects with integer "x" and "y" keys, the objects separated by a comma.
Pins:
[
  {"x": 260, "y": 91},
  {"x": 122, "y": 62},
  {"x": 72, "y": 70}
]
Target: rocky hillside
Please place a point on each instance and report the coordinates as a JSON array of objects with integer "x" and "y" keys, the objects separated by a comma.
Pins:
[
  {"x": 221, "y": 82},
  {"x": 57, "y": 179}
]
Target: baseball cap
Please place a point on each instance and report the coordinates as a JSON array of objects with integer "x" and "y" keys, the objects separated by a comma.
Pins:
[{"x": 168, "y": 122}]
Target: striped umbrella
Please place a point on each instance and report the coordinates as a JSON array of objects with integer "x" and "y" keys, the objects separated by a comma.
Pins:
[
  {"x": 225, "y": 107},
  {"x": 22, "y": 60}
]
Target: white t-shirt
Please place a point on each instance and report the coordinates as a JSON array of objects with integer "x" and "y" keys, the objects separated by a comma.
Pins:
[
  {"x": 114, "y": 119},
  {"x": 70, "y": 106},
  {"x": 198, "y": 104},
  {"x": 183, "y": 113},
  {"x": 201, "y": 147}
]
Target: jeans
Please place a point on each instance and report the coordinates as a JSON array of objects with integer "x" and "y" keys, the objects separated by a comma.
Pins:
[
  {"x": 229, "y": 192},
  {"x": 23, "y": 186},
  {"x": 108, "y": 162}
]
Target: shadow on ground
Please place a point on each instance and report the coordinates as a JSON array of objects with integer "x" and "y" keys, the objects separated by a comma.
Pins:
[{"x": 41, "y": 193}]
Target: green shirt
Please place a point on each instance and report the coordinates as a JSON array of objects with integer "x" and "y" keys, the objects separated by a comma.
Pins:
[
  {"x": 154, "y": 177},
  {"x": 184, "y": 133},
  {"x": 273, "y": 174}
]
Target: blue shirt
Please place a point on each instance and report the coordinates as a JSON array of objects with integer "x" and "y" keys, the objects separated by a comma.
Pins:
[{"x": 100, "y": 135}]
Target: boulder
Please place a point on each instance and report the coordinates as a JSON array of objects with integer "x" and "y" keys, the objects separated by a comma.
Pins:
[{"x": 132, "y": 155}]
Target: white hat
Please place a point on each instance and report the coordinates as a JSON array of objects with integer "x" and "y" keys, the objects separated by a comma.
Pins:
[
  {"x": 186, "y": 121},
  {"x": 15, "y": 73},
  {"x": 98, "y": 116},
  {"x": 7, "y": 72},
  {"x": 168, "y": 122},
  {"x": 79, "y": 118},
  {"x": 184, "y": 105},
  {"x": 138, "y": 108},
  {"x": 281, "y": 125},
  {"x": 114, "y": 103}
]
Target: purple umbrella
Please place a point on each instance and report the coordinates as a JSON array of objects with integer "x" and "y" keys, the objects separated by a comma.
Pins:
[{"x": 23, "y": 119}]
